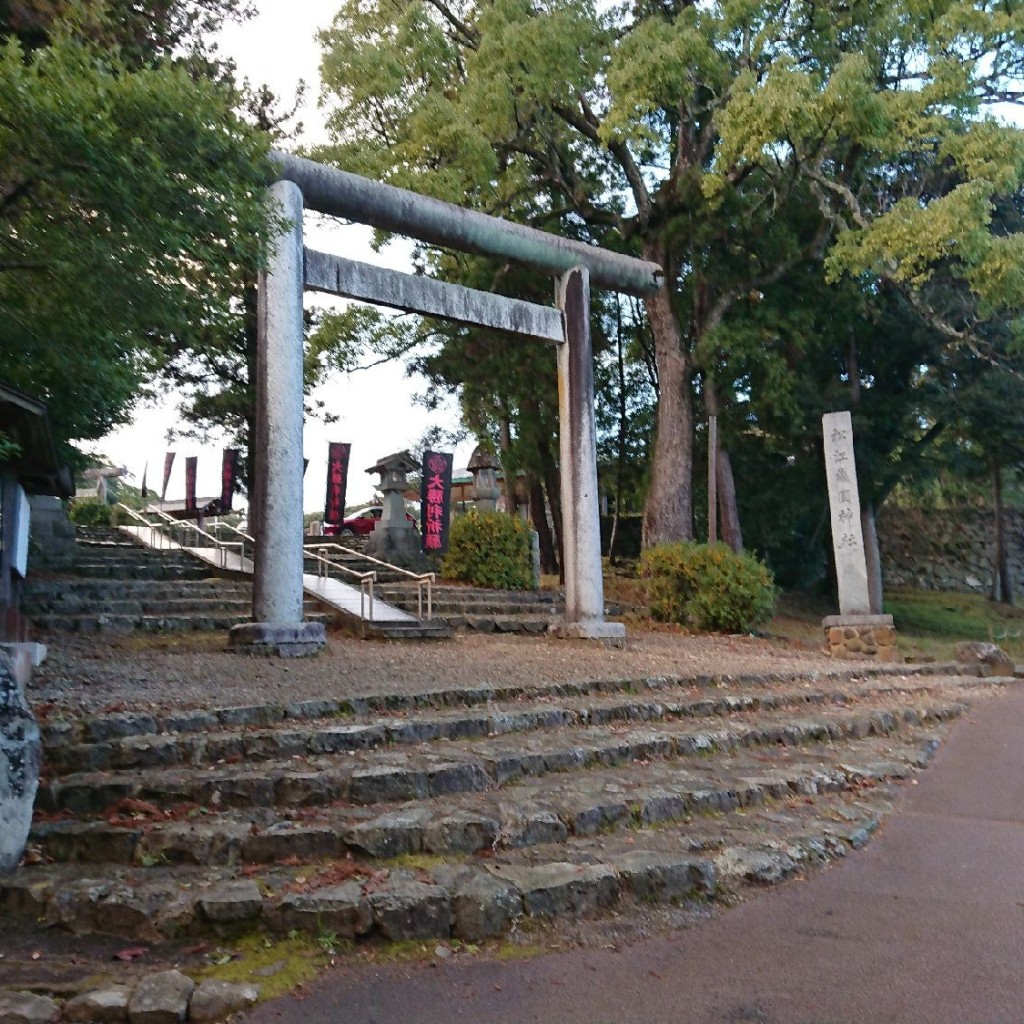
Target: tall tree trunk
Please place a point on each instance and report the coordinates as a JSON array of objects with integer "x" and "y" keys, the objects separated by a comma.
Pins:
[
  {"x": 1002, "y": 586},
  {"x": 668, "y": 511},
  {"x": 872, "y": 556}
]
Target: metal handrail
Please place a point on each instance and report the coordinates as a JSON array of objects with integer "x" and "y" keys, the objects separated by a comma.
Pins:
[
  {"x": 366, "y": 579},
  {"x": 313, "y": 551},
  {"x": 220, "y": 546},
  {"x": 420, "y": 579}
]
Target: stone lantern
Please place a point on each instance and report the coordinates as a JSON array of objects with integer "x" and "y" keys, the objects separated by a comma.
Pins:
[
  {"x": 484, "y": 467},
  {"x": 395, "y": 534}
]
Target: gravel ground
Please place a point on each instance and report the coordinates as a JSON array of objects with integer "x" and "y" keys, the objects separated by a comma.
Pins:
[{"x": 89, "y": 674}]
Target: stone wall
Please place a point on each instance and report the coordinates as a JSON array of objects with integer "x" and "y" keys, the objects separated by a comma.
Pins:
[{"x": 948, "y": 549}]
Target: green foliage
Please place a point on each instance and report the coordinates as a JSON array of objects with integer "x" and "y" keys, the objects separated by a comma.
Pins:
[
  {"x": 733, "y": 142},
  {"x": 131, "y": 199},
  {"x": 707, "y": 587},
  {"x": 489, "y": 549},
  {"x": 89, "y": 512}
]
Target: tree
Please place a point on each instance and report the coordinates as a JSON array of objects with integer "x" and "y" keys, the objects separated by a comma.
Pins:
[
  {"x": 130, "y": 202},
  {"x": 685, "y": 132}
]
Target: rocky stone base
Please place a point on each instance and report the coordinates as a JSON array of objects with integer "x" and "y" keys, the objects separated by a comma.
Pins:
[
  {"x": 859, "y": 637},
  {"x": 156, "y": 998}
]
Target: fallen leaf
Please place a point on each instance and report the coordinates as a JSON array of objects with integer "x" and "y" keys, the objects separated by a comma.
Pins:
[{"x": 131, "y": 953}]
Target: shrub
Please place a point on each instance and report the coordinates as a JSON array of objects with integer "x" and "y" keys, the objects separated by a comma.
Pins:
[
  {"x": 89, "y": 512},
  {"x": 489, "y": 549},
  {"x": 707, "y": 587}
]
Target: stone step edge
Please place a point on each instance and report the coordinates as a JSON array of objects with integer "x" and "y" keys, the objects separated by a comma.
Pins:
[
  {"x": 468, "y": 902},
  {"x": 411, "y": 831},
  {"x": 189, "y": 747},
  {"x": 64, "y": 731},
  {"x": 475, "y": 772}
]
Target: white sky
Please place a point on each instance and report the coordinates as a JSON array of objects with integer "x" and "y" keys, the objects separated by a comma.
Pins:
[{"x": 376, "y": 408}]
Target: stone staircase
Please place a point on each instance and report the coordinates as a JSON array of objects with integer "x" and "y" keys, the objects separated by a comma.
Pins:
[
  {"x": 481, "y": 610},
  {"x": 114, "y": 584},
  {"x": 458, "y": 606},
  {"x": 465, "y": 813}
]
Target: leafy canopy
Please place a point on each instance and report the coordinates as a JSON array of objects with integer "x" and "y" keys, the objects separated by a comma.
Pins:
[{"x": 130, "y": 201}]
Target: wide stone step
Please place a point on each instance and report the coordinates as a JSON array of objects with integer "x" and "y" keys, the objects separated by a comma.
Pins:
[
  {"x": 238, "y": 604},
  {"x": 527, "y": 813},
  {"x": 470, "y": 898},
  {"x": 351, "y": 763},
  {"x": 79, "y": 589},
  {"x": 196, "y": 737},
  {"x": 101, "y": 622},
  {"x": 141, "y": 571}
]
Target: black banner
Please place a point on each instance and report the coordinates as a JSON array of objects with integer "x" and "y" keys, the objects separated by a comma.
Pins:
[
  {"x": 337, "y": 481},
  {"x": 435, "y": 501},
  {"x": 228, "y": 473},
  {"x": 168, "y": 463},
  {"x": 144, "y": 489},
  {"x": 190, "y": 483}
]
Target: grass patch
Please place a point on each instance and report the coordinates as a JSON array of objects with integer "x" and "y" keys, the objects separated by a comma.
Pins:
[
  {"x": 933, "y": 622},
  {"x": 277, "y": 966}
]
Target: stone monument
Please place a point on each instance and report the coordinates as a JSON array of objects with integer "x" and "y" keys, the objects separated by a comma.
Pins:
[
  {"x": 484, "y": 467},
  {"x": 394, "y": 539},
  {"x": 855, "y": 632},
  {"x": 20, "y": 755}
]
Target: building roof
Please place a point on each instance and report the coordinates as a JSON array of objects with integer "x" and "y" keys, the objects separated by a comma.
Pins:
[{"x": 37, "y": 467}]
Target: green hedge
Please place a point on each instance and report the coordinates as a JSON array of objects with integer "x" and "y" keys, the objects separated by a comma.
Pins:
[
  {"x": 89, "y": 512},
  {"x": 489, "y": 549},
  {"x": 707, "y": 587}
]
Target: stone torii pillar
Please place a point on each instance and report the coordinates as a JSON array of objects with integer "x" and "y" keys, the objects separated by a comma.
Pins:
[
  {"x": 277, "y": 625},
  {"x": 581, "y": 523}
]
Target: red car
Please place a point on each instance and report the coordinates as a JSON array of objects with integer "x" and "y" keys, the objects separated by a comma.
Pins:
[{"x": 359, "y": 525}]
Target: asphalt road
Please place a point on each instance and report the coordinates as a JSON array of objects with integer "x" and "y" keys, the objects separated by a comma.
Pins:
[{"x": 923, "y": 926}]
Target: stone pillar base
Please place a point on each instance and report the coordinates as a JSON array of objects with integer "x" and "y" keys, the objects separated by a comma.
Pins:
[
  {"x": 861, "y": 637},
  {"x": 296, "y": 640},
  {"x": 612, "y": 632}
]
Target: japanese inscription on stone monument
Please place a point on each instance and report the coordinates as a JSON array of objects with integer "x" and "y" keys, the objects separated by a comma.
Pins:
[{"x": 844, "y": 502}]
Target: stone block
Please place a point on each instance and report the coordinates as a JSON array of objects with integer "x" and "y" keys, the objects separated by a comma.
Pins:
[
  {"x": 385, "y": 784},
  {"x": 27, "y": 1008},
  {"x": 485, "y": 906},
  {"x": 462, "y": 833},
  {"x": 660, "y": 876},
  {"x": 214, "y": 1000},
  {"x": 411, "y": 910},
  {"x": 549, "y": 890},
  {"x": 342, "y": 909},
  {"x": 988, "y": 655},
  {"x": 390, "y": 835},
  {"x": 232, "y": 901},
  {"x": 99, "y": 1007},
  {"x": 161, "y": 998}
]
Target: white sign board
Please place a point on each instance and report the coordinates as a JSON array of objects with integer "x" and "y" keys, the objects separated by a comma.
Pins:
[
  {"x": 19, "y": 547},
  {"x": 844, "y": 503}
]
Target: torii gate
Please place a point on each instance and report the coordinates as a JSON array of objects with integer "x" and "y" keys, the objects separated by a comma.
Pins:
[{"x": 277, "y": 594}]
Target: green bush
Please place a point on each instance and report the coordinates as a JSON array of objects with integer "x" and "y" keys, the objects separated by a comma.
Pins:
[
  {"x": 489, "y": 549},
  {"x": 89, "y": 512},
  {"x": 707, "y": 587}
]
